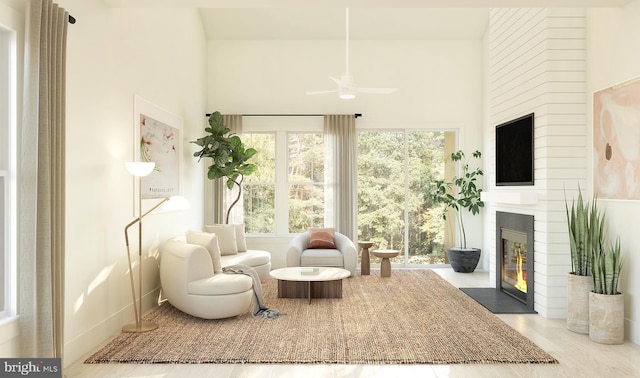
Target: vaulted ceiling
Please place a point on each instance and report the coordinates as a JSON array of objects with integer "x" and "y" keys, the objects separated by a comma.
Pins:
[{"x": 369, "y": 19}]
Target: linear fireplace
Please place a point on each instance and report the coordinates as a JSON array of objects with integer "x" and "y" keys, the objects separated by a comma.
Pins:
[{"x": 514, "y": 256}]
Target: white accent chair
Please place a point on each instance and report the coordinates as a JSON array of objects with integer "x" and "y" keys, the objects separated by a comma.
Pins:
[
  {"x": 190, "y": 285},
  {"x": 345, "y": 255}
]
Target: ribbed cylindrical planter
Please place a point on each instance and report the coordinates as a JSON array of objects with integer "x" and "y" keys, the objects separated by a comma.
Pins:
[
  {"x": 578, "y": 289},
  {"x": 606, "y": 318},
  {"x": 463, "y": 260}
]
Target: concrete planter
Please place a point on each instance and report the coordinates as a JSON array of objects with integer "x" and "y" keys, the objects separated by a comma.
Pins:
[
  {"x": 606, "y": 318},
  {"x": 464, "y": 260},
  {"x": 578, "y": 289}
]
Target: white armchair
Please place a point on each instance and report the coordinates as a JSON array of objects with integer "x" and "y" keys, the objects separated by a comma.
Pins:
[
  {"x": 345, "y": 255},
  {"x": 190, "y": 284}
]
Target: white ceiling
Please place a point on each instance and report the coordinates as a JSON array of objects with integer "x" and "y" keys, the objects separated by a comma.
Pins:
[
  {"x": 298, "y": 23},
  {"x": 369, "y": 19},
  {"x": 362, "y": 3}
]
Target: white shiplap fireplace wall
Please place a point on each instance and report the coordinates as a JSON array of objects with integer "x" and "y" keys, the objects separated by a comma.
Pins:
[{"x": 537, "y": 64}]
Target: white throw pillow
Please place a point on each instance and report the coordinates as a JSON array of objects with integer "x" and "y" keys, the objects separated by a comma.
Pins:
[
  {"x": 240, "y": 240},
  {"x": 210, "y": 242},
  {"x": 226, "y": 234}
]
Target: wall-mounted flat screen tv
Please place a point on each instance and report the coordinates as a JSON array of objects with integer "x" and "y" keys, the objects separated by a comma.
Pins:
[{"x": 514, "y": 152}]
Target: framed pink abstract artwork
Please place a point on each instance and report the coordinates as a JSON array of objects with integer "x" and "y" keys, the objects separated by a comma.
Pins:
[{"x": 616, "y": 141}]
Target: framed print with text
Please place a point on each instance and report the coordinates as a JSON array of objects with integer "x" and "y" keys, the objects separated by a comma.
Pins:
[{"x": 158, "y": 139}]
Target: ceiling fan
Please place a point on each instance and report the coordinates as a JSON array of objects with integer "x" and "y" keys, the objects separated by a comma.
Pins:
[{"x": 347, "y": 87}]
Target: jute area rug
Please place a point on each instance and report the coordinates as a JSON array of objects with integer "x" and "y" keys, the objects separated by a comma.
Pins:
[{"x": 412, "y": 317}]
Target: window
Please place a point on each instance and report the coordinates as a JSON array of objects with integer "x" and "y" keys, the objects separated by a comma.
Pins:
[
  {"x": 259, "y": 188},
  {"x": 305, "y": 180},
  {"x": 304, "y": 183},
  {"x": 395, "y": 169},
  {"x": 4, "y": 251},
  {"x": 7, "y": 172},
  {"x": 286, "y": 194}
]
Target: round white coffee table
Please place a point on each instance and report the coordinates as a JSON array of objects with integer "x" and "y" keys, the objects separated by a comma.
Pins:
[{"x": 310, "y": 282}]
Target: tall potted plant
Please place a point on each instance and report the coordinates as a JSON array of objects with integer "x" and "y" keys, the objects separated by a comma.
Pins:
[
  {"x": 586, "y": 236},
  {"x": 461, "y": 193},
  {"x": 228, "y": 153},
  {"x": 606, "y": 303}
]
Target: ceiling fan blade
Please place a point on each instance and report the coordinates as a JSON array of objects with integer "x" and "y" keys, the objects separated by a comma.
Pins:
[
  {"x": 341, "y": 83},
  {"x": 322, "y": 92},
  {"x": 377, "y": 90}
]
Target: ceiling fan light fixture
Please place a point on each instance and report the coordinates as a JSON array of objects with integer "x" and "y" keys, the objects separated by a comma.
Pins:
[
  {"x": 347, "y": 95},
  {"x": 347, "y": 87}
]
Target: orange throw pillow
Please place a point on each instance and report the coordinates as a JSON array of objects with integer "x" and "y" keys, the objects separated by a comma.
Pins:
[{"x": 322, "y": 238}]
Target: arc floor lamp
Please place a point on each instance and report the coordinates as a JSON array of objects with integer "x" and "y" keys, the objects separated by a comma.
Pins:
[{"x": 141, "y": 169}]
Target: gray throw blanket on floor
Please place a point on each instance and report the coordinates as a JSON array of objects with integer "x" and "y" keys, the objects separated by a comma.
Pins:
[{"x": 259, "y": 309}]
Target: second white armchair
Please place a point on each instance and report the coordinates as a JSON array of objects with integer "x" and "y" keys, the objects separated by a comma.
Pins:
[{"x": 344, "y": 255}]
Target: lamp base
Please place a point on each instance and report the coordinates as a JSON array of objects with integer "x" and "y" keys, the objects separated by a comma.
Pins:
[{"x": 144, "y": 327}]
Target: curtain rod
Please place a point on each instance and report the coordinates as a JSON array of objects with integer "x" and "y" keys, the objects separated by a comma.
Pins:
[
  {"x": 72, "y": 20},
  {"x": 287, "y": 115}
]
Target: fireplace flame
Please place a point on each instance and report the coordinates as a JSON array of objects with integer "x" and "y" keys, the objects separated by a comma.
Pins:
[{"x": 521, "y": 283}]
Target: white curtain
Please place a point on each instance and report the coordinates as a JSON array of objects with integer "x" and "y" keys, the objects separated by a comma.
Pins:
[
  {"x": 223, "y": 197},
  {"x": 42, "y": 182},
  {"x": 341, "y": 173}
]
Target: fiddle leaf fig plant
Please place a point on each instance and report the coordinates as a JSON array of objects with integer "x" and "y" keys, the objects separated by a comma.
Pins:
[
  {"x": 228, "y": 154},
  {"x": 460, "y": 193}
]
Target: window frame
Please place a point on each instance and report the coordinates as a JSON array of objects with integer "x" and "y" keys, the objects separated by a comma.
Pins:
[
  {"x": 406, "y": 130},
  {"x": 291, "y": 183},
  {"x": 249, "y": 180},
  {"x": 8, "y": 167},
  {"x": 281, "y": 126}
]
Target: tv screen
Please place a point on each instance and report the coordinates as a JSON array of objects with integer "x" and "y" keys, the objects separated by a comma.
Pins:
[{"x": 514, "y": 152}]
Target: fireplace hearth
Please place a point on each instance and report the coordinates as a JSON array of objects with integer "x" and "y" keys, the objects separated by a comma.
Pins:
[{"x": 514, "y": 256}]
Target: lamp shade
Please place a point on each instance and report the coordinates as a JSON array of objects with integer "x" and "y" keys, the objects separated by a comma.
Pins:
[{"x": 140, "y": 168}]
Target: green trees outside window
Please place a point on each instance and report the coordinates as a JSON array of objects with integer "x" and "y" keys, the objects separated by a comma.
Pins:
[
  {"x": 395, "y": 168},
  {"x": 259, "y": 188},
  {"x": 305, "y": 178}
]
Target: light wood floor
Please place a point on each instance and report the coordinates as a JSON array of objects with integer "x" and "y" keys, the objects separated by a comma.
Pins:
[{"x": 578, "y": 356}]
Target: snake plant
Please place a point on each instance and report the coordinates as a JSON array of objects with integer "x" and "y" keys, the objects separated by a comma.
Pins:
[
  {"x": 606, "y": 269},
  {"x": 586, "y": 234}
]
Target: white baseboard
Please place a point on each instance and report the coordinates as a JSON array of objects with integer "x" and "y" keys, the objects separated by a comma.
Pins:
[{"x": 88, "y": 342}]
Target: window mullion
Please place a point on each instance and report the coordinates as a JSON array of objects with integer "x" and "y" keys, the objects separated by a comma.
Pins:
[
  {"x": 406, "y": 197},
  {"x": 8, "y": 166},
  {"x": 282, "y": 185}
]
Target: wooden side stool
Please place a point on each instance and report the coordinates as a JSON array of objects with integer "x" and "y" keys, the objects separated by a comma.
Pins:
[
  {"x": 385, "y": 255},
  {"x": 365, "y": 260}
]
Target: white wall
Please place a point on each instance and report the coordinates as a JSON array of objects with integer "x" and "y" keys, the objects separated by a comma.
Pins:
[
  {"x": 614, "y": 58},
  {"x": 159, "y": 54},
  {"x": 441, "y": 86}
]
